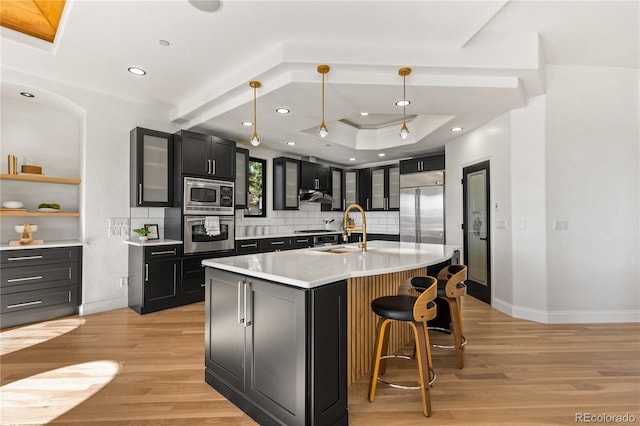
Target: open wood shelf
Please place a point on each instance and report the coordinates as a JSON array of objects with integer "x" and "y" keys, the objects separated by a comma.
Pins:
[
  {"x": 38, "y": 214},
  {"x": 40, "y": 178}
]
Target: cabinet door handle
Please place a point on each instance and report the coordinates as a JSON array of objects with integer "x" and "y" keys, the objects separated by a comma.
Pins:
[
  {"x": 240, "y": 318},
  {"x": 154, "y": 253},
  {"x": 15, "y": 280},
  {"x": 18, "y": 305},
  {"x": 367, "y": 204},
  {"x": 25, "y": 258},
  {"x": 213, "y": 167},
  {"x": 255, "y": 245},
  {"x": 146, "y": 272},
  {"x": 247, "y": 304}
]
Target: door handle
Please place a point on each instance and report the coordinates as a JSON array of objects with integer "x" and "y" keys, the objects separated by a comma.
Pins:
[
  {"x": 139, "y": 193},
  {"x": 240, "y": 318},
  {"x": 25, "y": 258},
  {"x": 146, "y": 272},
  {"x": 213, "y": 167},
  {"x": 247, "y": 304},
  {"x": 14, "y": 280},
  {"x": 484, "y": 239}
]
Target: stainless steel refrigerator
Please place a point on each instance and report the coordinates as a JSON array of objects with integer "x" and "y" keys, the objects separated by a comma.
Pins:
[{"x": 422, "y": 207}]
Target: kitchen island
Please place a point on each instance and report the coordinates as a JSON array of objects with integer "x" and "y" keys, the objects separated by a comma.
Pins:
[{"x": 287, "y": 332}]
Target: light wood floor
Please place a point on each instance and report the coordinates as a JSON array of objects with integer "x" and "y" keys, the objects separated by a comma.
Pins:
[{"x": 517, "y": 372}]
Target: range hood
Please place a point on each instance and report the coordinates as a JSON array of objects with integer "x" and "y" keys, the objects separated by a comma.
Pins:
[{"x": 314, "y": 196}]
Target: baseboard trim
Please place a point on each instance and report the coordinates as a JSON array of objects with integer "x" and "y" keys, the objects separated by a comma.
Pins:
[
  {"x": 103, "y": 305},
  {"x": 566, "y": 317}
]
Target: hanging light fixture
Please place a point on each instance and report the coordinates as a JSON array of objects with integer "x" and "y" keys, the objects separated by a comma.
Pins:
[
  {"x": 404, "y": 72},
  {"x": 255, "y": 140},
  {"x": 322, "y": 131}
]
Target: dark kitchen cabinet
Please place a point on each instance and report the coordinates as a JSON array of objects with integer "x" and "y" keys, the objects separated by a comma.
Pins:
[
  {"x": 151, "y": 168},
  {"x": 286, "y": 181},
  {"x": 247, "y": 246},
  {"x": 380, "y": 188},
  {"x": 242, "y": 178},
  {"x": 192, "y": 284},
  {"x": 276, "y": 244},
  {"x": 39, "y": 284},
  {"x": 336, "y": 185},
  {"x": 154, "y": 277},
  {"x": 302, "y": 241},
  {"x": 314, "y": 176},
  {"x": 278, "y": 352},
  {"x": 350, "y": 188},
  {"x": 205, "y": 155},
  {"x": 422, "y": 164}
]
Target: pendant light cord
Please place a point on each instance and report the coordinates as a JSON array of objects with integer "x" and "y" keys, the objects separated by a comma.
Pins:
[{"x": 255, "y": 116}]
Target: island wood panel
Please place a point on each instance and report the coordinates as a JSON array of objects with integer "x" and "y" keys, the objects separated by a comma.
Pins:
[{"x": 362, "y": 320}]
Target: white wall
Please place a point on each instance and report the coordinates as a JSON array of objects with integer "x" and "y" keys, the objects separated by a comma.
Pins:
[
  {"x": 574, "y": 156},
  {"x": 593, "y": 182},
  {"x": 490, "y": 142},
  {"x": 529, "y": 209}
]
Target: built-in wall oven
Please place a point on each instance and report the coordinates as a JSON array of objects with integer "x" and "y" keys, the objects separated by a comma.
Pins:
[
  {"x": 208, "y": 216},
  {"x": 198, "y": 237}
]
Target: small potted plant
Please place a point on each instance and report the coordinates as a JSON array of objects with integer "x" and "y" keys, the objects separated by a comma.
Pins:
[{"x": 143, "y": 233}]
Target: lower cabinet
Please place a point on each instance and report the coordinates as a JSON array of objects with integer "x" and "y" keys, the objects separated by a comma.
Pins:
[
  {"x": 277, "y": 352},
  {"x": 154, "y": 277},
  {"x": 39, "y": 284}
]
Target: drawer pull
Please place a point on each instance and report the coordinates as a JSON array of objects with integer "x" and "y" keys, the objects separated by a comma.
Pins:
[
  {"x": 25, "y": 258},
  {"x": 15, "y": 280},
  {"x": 306, "y": 240},
  {"x": 249, "y": 245},
  {"x": 277, "y": 243},
  {"x": 18, "y": 305},
  {"x": 153, "y": 253}
]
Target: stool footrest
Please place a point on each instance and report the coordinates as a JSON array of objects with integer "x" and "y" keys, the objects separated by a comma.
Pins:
[
  {"x": 397, "y": 386},
  {"x": 446, "y": 330}
]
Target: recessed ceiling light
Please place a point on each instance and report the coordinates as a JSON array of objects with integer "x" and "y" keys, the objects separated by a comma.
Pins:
[
  {"x": 352, "y": 159},
  {"x": 381, "y": 154},
  {"x": 456, "y": 129},
  {"x": 403, "y": 102},
  {"x": 137, "y": 71},
  {"x": 283, "y": 110},
  {"x": 291, "y": 143},
  {"x": 27, "y": 94},
  {"x": 364, "y": 114},
  {"x": 164, "y": 42},
  {"x": 247, "y": 123}
]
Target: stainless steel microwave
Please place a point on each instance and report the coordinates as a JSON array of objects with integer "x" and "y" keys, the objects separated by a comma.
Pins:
[{"x": 208, "y": 197}]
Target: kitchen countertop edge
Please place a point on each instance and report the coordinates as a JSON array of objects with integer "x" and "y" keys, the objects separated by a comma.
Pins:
[
  {"x": 47, "y": 244},
  {"x": 152, "y": 243}
]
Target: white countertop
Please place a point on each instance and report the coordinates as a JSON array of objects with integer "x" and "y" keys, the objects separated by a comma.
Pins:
[
  {"x": 150, "y": 243},
  {"x": 313, "y": 267},
  {"x": 46, "y": 244}
]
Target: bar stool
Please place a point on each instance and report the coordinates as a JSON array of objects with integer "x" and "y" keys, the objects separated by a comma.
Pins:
[
  {"x": 451, "y": 288},
  {"x": 416, "y": 311}
]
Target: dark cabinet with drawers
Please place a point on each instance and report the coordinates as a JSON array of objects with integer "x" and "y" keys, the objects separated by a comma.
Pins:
[{"x": 39, "y": 284}]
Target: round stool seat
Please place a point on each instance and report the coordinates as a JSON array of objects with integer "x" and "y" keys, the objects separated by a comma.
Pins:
[{"x": 398, "y": 308}]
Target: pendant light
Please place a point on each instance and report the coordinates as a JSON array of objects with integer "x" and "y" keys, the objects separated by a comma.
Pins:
[
  {"x": 322, "y": 131},
  {"x": 404, "y": 72},
  {"x": 255, "y": 140}
]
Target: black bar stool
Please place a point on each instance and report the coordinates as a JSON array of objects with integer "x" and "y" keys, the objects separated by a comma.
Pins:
[
  {"x": 451, "y": 288},
  {"x": 416, "y": 311}
]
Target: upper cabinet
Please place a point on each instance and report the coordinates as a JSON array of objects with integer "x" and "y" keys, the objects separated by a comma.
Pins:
[
  {"x": 380, "y": 188},
  {"x": 314, "y": 176},
  {"x": 242, "y": 178},
  {"x": 422, "y": 164},
  {"x": 286, "y": 180},
  {"x": 205, "y": 155},
  {"x": 151, "y": 166},
  {"x": 350, "y": 187},
  {"x": 337, "y": 192}
]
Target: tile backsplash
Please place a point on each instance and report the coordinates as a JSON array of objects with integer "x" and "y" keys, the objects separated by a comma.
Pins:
[
  {"x": 311, "y": 217},
  {"x": 280, "y": 221}
]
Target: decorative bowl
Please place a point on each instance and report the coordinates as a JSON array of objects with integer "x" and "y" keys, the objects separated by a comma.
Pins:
[
  {"x": 20, "y": 228},
  {"x": 12, "y": 205}
]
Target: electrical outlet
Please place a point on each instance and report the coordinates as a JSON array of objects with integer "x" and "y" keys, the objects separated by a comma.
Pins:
[
  {"x": 124, "y": 281},
  {"x": 114, "y": 232}
]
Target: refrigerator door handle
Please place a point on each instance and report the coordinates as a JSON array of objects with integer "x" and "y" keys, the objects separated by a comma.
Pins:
[{"x": 418, "y": 240}]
